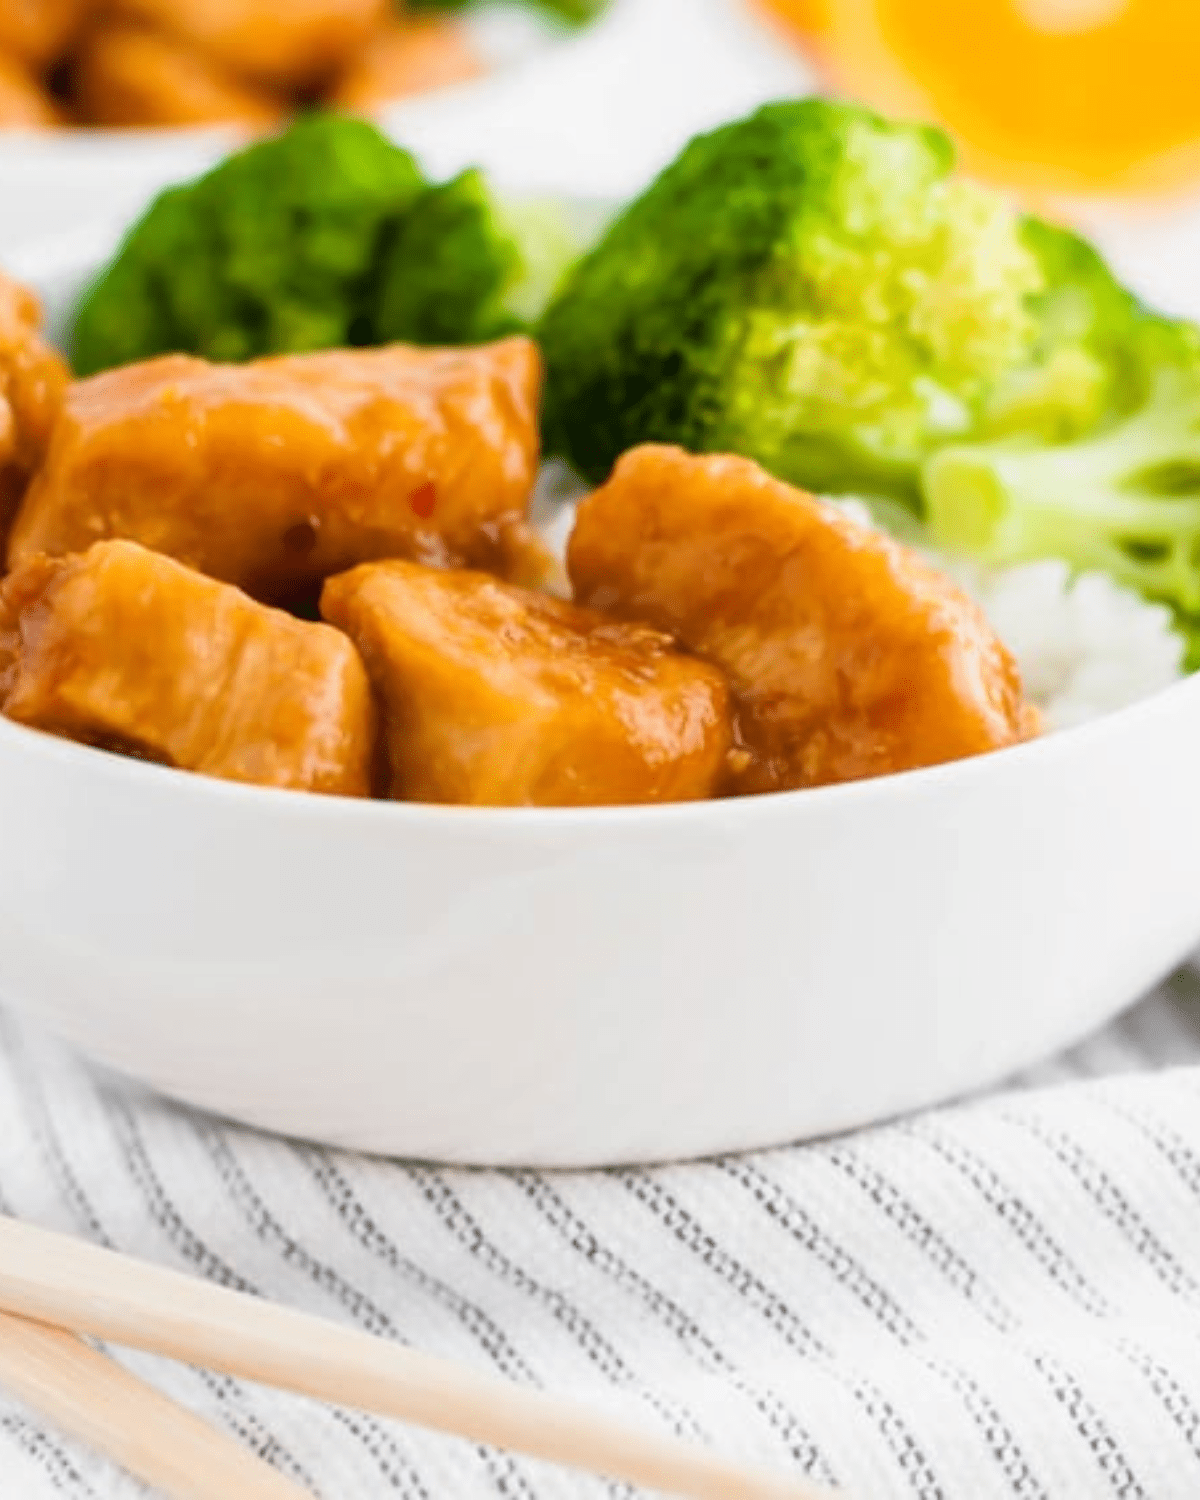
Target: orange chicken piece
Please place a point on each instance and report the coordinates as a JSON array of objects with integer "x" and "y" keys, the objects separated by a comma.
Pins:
[
  {"x": 275, "y": 474},
  {"x": 496, "y": 696},
  {"x": 848, "y": 655},
  {"x": 406, "y": 57},
  {"x": 125, "y": 75},
  {"x": 33, "y": 380},
  {"x": 291, "y": 44},
  {"x": 122, "y": 648},
  {"x": 24, "y": 103},
  {"x": 40, "y": 31}
]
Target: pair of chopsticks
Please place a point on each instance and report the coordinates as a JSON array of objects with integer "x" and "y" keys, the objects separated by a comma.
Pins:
[{"x": 54, "y": 1287}]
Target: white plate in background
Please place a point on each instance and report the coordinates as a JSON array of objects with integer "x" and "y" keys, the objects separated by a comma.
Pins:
[{"x": 596, "y": 113}]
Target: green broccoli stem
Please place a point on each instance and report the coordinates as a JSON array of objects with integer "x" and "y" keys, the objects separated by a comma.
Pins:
[{"x": 1126, "y": 502}]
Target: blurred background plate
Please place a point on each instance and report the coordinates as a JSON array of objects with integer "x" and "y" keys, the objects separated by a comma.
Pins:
[{"x": 594, "y": 113}]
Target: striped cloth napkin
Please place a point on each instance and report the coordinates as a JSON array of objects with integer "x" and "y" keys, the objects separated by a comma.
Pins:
[{"x": 997, "y": 1299}]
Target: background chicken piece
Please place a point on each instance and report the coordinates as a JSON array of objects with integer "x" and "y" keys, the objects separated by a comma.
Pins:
[
  {"x": 848, "y": 655},
  {"x": 122, "y": 648},
  {"x": 38, "y": 32},
  {"x": 33, "y": 380},
  {"x": 127, "y": 75},
  {"x": 275, "y": 474},
  {"x": 493, "y": 695},
  {"x": 291, "y": 45},
  {"x": 23, "y": 100},
  {"x": 406, "y": 57}
]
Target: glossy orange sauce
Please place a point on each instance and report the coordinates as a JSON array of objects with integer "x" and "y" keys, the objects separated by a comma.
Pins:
[
  {"x": 274, "y": 474},
  {"x": 848, "y": 655},
  {"x": 495, "y": 695},
  {"x": 122, "y": 647}
]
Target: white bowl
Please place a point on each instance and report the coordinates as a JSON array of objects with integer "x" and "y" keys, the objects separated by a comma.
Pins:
[
  {"x": 611, "y": 985},
  {"x": 571, "y": 988}
]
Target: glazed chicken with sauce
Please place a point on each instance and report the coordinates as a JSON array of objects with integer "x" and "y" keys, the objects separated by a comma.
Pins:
[
  {"x": 38, "y": 31},
  {"x": 848, "y": 655},
  {"x": 275, "y": 474},
  {"x": 731, "y": 634},
  {"x": 123, "y": 648},
  {"x": 33, "y": 382},
  {"x": 495, "y": 695},
  {"x": 280, "y": 43},
  {"x": 24, "y": 103},
  {"x": 243, "y": 63},
  {"x": 127, "y": 75}
]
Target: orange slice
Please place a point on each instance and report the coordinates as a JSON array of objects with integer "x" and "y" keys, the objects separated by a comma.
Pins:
[{"x": 1051, "y": 94}]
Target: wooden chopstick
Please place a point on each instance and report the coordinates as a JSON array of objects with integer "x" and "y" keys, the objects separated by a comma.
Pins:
[
  {"x": 90, "y": 1397},
  {"x": 56, "y": 1279}
]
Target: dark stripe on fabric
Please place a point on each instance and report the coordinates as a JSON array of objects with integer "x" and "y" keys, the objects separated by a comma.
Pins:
[
  {"x": 777, "y": 1315},
  {"x": 227, "y": 1391},
  {"x": 163, "y": 1211},
  {"x": 269, "y": 1231},
  {"x": 1001, "y": 1441},
  {"x": 46, "y": 1137},
  {"x": 1174, "y": 1400},
  {"x": 1110, "y": 1460},
  {"x": 382, "y": 1448},
  {"x": 775, "y": 1312},
  {"x": 1036, "y": 1238},
  {"x": 465, "y": 1228},
  {"x": 953, "y": 1269},
  {"x": 53, "y": 1459},
  {"x": 917, "y": 1229},
  {"x": 803, "y": 1230},
  {"x": 359, "y": 1224},
  {"x": 1171, "y": 1396},
  {"x": 1014, "y": 1212},
  {"x": 558, "y": 1214},
  {"x": 1112, "y": 1203}
]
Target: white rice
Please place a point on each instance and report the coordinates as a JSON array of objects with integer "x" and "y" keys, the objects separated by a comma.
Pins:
[{"x": 1085, "y": 646}]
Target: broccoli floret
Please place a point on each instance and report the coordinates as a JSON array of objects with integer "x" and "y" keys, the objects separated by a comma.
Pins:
[
  {"x": 1091, "y": 359},
  {"x": 464, "y": 268},
  {"x": 813, "y": 287},
  {"x": 273, "y": 251},
  {"x": 810, "y": 287},
  {"x": 1125, "y": 500}
]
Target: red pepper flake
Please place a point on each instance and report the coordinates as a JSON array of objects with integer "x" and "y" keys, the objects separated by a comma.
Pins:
[{"x": 423, "y": 500}]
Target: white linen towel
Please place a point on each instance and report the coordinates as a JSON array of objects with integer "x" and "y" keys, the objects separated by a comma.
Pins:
[{"x": 999, "y": 1299}]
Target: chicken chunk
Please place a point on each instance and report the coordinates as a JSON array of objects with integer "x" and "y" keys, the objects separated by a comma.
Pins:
[
  {"x": 125, "y": 649},
  {"x": 294, "y": 45},
  {"x": 33, "y": 381},
  {"x": 494, "y": 695},
  {"x": 38, "y": 32},
  {"x": 848, "y": 655},
  {"x": 24, "y": 103},
  {"x": 406, "y": 57},
  {"x": 126, "y": 75},
  {"x": 275, "y": 474}
]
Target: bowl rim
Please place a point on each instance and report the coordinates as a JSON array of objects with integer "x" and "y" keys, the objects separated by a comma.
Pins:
[{"x": 74, "y": 757}]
